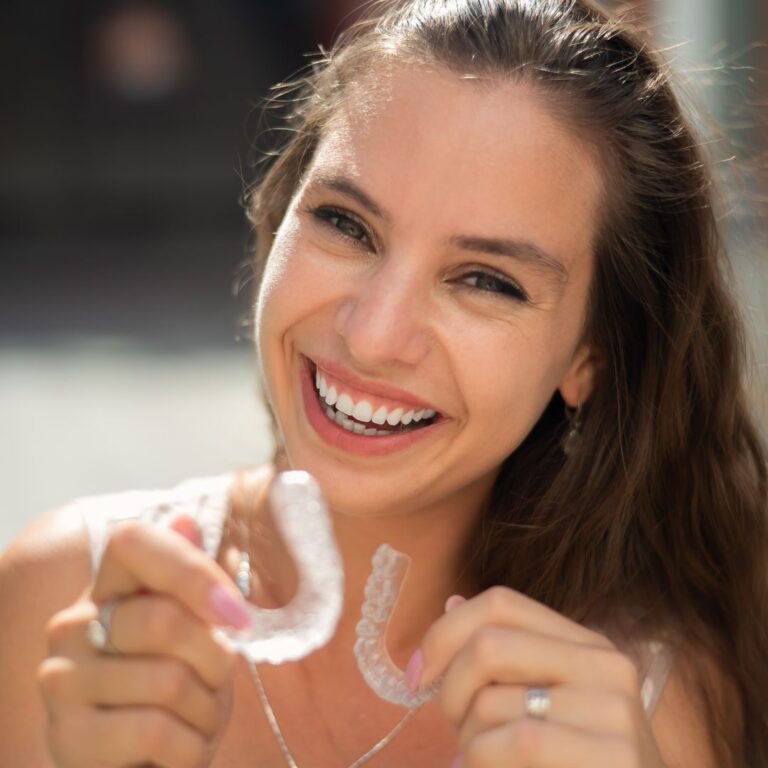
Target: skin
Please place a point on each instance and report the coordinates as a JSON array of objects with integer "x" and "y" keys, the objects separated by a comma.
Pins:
[{"x": 443, "y": 157}]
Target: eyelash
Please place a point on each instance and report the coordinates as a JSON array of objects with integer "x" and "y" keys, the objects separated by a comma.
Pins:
[
  {"x": 325, "y": 215},
  {"x": 503, "y": 286}
]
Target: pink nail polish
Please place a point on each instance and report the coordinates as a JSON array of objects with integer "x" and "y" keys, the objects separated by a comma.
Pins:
[
  {"x": 453, "y": 601},
  {"x": 458, "y": 761},
  {"x": 229, "y": 608},
  {"x": 413, "y": 670}
]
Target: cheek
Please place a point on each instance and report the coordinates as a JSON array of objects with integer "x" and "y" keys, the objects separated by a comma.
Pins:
[
  {"x": 528, "y": 362},
  {"x": 275, "y": 273}
]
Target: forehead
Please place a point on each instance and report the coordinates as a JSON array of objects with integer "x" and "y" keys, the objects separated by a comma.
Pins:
[{"x": 426, "y": 142}]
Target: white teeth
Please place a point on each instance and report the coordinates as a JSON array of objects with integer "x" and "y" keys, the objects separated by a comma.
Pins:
[
  {"x": 345, "y": 404},
  {"x": 380, "y": 416},
  {"x": 363, "y": 411},
  {"x": 371, "y": 432},
  {"x": 359, "y": 428}
]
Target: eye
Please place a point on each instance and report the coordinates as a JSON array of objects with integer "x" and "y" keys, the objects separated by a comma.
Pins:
[
  {"x": 341, "y": 223},
  {"x": 491, "y": 283}
]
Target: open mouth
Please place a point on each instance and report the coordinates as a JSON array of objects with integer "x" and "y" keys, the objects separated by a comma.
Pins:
[{"x": 366, "y": 416}]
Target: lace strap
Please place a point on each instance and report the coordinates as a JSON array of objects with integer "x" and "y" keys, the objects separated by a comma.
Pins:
[{"x": 204, "y": 499}]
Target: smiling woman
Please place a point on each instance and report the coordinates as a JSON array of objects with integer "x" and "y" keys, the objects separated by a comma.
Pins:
[{"x": 492, "y": 322}]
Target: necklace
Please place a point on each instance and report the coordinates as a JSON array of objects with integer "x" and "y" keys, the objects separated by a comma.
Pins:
[
  {"x": 273, "y": 724},
  {"x": 243, "y": 581}
]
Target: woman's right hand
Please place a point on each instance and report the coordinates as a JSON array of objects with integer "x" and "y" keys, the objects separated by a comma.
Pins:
[{"x": 163, "y": 697}]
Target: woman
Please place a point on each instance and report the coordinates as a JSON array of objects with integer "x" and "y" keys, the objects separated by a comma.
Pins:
[{"x": 496, "y": 212}]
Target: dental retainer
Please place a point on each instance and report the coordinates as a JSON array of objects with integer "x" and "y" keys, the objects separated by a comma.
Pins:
[
  {"x": 382, "y": 589},
  {"x": 309, "y": 620}
]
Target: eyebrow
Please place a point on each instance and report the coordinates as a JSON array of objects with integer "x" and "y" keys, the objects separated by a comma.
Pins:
[
  {"x": 521, "y": 250},
  {"x": 350, "y": 189}
]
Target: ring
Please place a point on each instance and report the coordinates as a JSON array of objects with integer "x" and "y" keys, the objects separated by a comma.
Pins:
[
  {"x": 97, "y": 631},
  {"x": 537, "y": 702}
]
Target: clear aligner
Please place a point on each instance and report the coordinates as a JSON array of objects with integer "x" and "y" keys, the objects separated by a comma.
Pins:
[
  {"x": 373, "y": 660},
  {"x": 309, "y": 620}
]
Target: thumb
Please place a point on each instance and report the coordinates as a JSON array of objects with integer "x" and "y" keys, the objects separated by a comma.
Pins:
[{"x": 185, "y": 526}]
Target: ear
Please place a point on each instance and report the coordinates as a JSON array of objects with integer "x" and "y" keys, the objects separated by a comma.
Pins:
[{"x": 578, "y": 383}]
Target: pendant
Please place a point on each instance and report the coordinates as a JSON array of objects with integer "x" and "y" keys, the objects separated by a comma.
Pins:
[{"x": 243, "y": 577}]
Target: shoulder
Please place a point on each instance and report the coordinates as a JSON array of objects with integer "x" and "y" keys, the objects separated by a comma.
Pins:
[
  {"x": 55, "y": 543},
  {"x": 697, "y": 689}
]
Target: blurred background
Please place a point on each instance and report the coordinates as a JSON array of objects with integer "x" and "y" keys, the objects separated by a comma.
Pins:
[{"x": 128, "y": 131}]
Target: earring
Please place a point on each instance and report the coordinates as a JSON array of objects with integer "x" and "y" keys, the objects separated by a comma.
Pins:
[{"x": 572, "y": 439}]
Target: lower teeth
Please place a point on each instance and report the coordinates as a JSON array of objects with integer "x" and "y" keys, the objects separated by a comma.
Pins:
[{"x": 353, "y": 426}]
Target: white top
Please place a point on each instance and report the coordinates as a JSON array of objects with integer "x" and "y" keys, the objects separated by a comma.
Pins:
[{"x": 207, "y": 500}]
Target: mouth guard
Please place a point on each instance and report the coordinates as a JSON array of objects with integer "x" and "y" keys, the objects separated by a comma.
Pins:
[
  {"x": 382, "y": 589},
  {"x": 309, "y": 620}
]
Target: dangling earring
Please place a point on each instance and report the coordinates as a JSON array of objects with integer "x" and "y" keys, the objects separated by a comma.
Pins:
[{"x": 572, "y": 439}]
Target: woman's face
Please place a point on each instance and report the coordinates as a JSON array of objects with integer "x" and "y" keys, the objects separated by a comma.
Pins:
[{"x": 437, "y": 257}]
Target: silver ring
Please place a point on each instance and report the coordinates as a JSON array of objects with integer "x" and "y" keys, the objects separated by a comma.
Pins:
[
  {"x": 98, "y": 629},
  {"x": 537, "y": 702}
]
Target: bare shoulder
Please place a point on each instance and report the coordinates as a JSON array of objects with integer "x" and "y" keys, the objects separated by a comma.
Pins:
[
  {"x": 46, "y": 568},
  {"x": 51, "y": 552},
  {"x": 696, "y": 685}
]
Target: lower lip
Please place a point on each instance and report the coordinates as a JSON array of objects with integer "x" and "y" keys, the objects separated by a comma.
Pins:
[{"x": 332, "y": 433}]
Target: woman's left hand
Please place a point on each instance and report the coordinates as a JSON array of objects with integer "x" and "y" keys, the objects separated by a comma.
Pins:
[{"x": 494, "y": 647}]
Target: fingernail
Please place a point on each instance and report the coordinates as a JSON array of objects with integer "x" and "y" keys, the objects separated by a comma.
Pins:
[
  {"x": 458, "y": 761},
  {"x": 187, "y": 528},
  {"x": 413, "y": 671},
  {"x": 230, "y": 608},
  {"x": 453, "y": 601}
]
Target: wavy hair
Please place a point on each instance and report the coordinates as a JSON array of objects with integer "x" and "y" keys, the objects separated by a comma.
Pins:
[{"x": 656, "y": 525}]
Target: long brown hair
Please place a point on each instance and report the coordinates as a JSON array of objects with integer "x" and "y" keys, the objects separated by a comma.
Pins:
[{"x": 658, "y": 518}]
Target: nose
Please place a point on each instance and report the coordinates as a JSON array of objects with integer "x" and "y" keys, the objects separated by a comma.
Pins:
[{"x": 383, "y": 320}]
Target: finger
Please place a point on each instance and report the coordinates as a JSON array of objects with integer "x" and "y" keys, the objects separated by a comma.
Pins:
[
  {"x": 126, "y": 681},
  {"x": 185, "y": 526},
  {"x": 146, "y": 624},
  {"x": 160, "y": 683},
  {"x": 159, "y": 625},
  {"x": 501, "y": 606},
  {"x": 142, "y": 557},
  {"x": 501, "y": 655},
  {"x": 127, "y": 736},
  {"x": 589, "y": 709},
  {"x": 531, "y": 743}
]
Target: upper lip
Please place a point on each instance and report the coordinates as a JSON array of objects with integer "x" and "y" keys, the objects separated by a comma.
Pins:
[{"x": 372, "y": 387}]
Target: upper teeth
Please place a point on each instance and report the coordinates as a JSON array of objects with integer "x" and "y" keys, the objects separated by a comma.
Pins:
[{"x": 362, "y": 410}]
